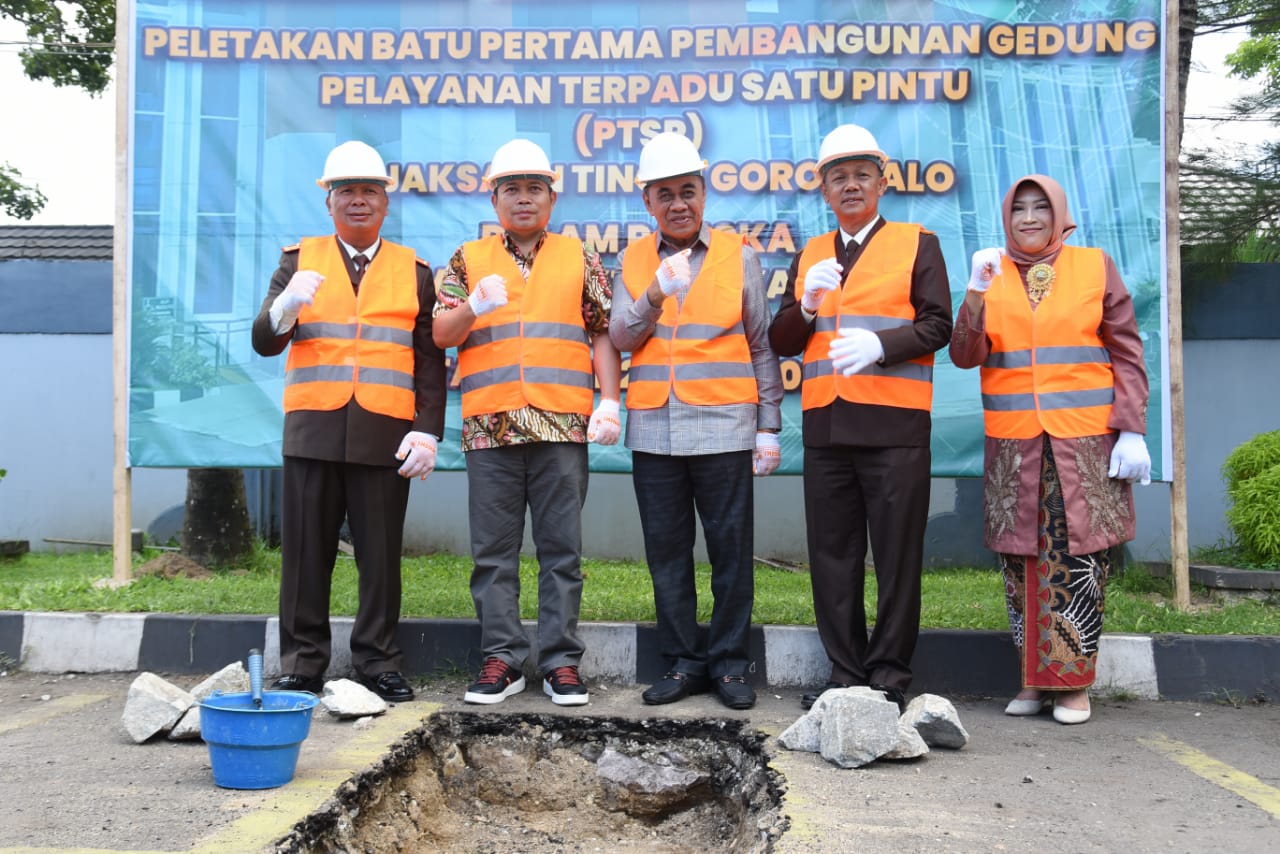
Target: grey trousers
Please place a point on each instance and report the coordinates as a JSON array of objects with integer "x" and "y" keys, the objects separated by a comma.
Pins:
[{"x": 550, "y": 478}]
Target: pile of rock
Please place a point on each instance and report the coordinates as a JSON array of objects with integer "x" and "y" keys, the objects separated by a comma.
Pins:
[
  {"x": 155, "y": 705},
  {"x": 852, "y": 727}
]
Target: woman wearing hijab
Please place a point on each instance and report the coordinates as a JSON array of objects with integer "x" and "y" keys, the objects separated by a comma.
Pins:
[{"x": 1064, "y": 396}]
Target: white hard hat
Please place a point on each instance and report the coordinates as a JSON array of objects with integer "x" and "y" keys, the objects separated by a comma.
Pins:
[
  {"x": 354, "y": 161},
  {"x": 847, "y": 142},
  {"x": 667, "y": 155},
  {"x": 519, "y": 158}
]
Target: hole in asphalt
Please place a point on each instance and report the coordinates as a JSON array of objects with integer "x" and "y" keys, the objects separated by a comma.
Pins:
[{"x": 543, "y": 783}]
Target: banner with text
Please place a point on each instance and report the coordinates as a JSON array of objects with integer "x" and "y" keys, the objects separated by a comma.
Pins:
[{"x": 236, "y": 104}]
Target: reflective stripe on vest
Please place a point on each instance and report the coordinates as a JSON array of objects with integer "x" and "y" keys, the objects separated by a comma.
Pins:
[
  {"x": 876, "y": 296},
  {"x": 347, "y": 345},
  {"x": 534, "y": 350},
  {"x": 1048, "y": 370},
  {"x": 698, "y": 350}
]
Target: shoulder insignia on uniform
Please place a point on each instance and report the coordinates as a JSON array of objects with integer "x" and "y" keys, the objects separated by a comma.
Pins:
[
  {"x": 293, "y": 247},
  {"x": 924, "y": 230},
  {"x": 423, "y": 263}
]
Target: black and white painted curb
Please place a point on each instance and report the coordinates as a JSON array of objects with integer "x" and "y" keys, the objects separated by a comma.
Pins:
[{"x": 974, "y": 663}]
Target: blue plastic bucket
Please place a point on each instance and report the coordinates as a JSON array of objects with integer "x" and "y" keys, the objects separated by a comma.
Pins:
[{"x": 252, "y": 748}]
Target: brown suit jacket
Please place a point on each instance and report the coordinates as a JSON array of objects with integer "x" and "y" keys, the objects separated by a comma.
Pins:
[{"x": 353, "y": 434}]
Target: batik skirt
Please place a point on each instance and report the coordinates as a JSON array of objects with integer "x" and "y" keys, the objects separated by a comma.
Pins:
[{"x": 1055, "y": 599}]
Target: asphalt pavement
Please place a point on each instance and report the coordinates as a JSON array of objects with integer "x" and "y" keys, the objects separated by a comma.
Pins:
[{"x": 1141, "y": 776}]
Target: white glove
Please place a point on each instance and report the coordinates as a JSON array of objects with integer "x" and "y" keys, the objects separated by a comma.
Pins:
[
  {"x": 1130, "y": 459},
  {"x": 300, "y": 291},
  {"x": 822, "y": 277},
  {"x": 490, "y": 294},
  {"x": 418, "y": 450},
  {"x": 604, "y": 427},
  {"x": 673, "y": 273},
  {"x": 986, "y": 266},
  {"x": 768, "y": 454},
  {"x": 855, "y": 350}
]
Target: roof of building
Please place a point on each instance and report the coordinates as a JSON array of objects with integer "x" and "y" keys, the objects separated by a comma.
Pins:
[
  {"x": 56, "y": 242},
  {"x": 1202, "y": 191},
  {"x": 1210, "y": 195}
]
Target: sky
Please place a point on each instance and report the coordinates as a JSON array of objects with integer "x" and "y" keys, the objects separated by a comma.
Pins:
[{"x": 65, "y": 144}]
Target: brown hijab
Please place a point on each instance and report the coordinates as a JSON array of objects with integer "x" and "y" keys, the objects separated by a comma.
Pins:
[{"x": 1062, "y": 222}]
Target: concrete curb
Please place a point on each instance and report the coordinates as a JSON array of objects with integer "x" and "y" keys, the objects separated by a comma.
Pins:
[
  {"x": 1222, "y": 577},
  {"x": 972, "y": 663}
]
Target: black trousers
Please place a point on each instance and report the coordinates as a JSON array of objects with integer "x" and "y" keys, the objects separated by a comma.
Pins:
[
  {"x": 317, "y": 495},
  {"x": 850, "y": 493},
  {"x": 718, "y": 487}
]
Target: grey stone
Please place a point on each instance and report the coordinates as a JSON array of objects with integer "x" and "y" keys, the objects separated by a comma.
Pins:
[
  {"x": 344, "y": 698},
  {"x": 851, "y": 691},
  {"x": 857, "y": 728},
  {"x": 153, "y": 706},
  {"x": 804, "y": 734},
  {"x": 643, "y": 776},
  {"x": 937, "y": 721},
  {"x": 910, "y": 744},
  {"x": 188, "y": 727},
  {"x": 231, "y": 679},
  {"x": 643, "y": 786}
]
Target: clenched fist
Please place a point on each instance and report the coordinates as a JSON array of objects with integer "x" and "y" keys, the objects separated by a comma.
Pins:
[
  {"x": 822, "y": 277},
  {"x": 489, "y": 295}
]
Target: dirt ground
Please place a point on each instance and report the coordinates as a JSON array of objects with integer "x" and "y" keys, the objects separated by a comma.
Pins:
[
  {"x": 547, "y": 783},
  {"x": 1140, "y": 777}
]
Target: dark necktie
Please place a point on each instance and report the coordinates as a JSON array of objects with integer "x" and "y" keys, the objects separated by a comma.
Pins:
[
  {"x": 361, "y": 262},
  {"x": 850, "y": 248}
]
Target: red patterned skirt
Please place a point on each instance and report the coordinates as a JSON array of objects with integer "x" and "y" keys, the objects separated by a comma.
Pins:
[{"x": 1055, "y": 599}]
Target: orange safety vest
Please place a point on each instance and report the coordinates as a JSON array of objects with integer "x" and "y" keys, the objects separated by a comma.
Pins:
[
  {"x": 349, "y": 345},
  {"x": 698, "y": 349},
  {"x": 534, "y": 350},
  {"x": 1048, "y": 371},
  {"x": 876, "y": 295}
]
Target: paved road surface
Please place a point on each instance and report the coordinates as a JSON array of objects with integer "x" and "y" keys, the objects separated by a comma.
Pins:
[{"x": 1140, "y": 777}]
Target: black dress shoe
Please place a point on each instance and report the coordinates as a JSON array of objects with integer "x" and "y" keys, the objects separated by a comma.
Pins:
[
  {"x": 674, "y": 686},
  {"x": 807, "y": 700},
  {"x": 390, "y": 686},
  {"x": 294, "y": 682},
  {"x": 893, "y": 695},
  {"x": 735, "y": 693}
]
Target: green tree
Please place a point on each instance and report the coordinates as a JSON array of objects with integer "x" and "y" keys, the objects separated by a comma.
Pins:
[
  {"x": 18, "y": 200},
  {"x": 69, "y": 44},
  {"x": 1231, "y": 208},
  {"x": 73, "y": 44}
]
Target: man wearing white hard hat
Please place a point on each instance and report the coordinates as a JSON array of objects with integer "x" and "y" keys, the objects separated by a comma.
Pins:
[
  {"x": 364, "y": 406},
  {"x": 867, "y": 305},
  {"x": 528, "y": 311},
  {"x": 703, "y": 395}
]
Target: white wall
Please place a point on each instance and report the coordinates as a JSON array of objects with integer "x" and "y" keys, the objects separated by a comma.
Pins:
[{"x": 56, "y": 443}]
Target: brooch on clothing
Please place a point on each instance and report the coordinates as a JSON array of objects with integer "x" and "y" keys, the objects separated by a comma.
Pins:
[{"x": 1040, "y": 282}]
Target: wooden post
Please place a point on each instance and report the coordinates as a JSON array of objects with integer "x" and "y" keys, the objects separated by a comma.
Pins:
[
  {"x": 122, "y": 482},
  {"x": 1178, "y": 482}
]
